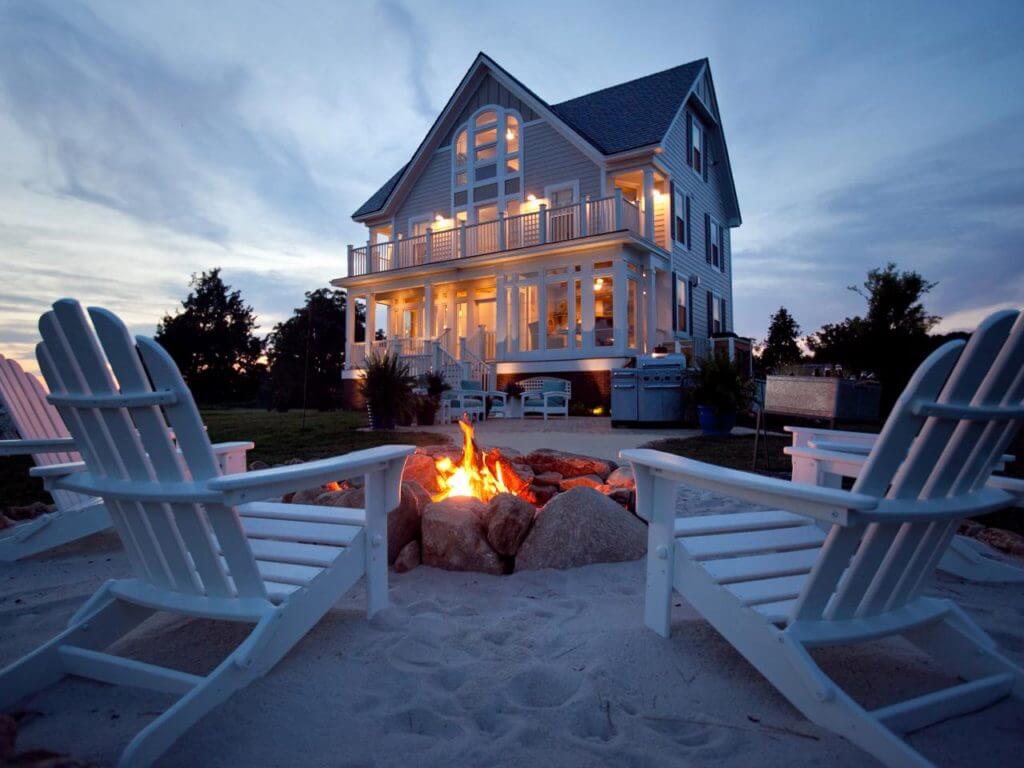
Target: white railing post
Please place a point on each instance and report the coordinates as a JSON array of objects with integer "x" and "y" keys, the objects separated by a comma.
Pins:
[
  {"x": 649, "y": 204},
  {"x": 542, "y": 224},
  {"x": 584, "y": 212},
  {"x": 428, "y": 248},
  {"x": 618, "y": 208},
  {"x": 351, "y": 260},
  {"x": 501, "y": 231},
  {"x": 462, "y": 241},
  {"x": 462, "y": 348}
]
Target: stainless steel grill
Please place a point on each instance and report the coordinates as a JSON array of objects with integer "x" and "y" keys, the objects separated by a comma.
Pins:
[{"x": 652, "y": 392}]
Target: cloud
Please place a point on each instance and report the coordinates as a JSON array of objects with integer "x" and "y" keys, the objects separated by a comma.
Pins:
[{"x": 413, "y": 44}]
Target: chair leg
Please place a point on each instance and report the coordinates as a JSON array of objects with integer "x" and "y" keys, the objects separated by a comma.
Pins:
[
  {"x": 52, "y": 530},
  {"x": 109, "y": 621}
]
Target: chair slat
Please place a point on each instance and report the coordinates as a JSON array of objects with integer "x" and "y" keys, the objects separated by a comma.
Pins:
[
  {"x": 736, "y": 522},
  {"x": 768, "y": 566},
  {"x": 751, "y": 542}
]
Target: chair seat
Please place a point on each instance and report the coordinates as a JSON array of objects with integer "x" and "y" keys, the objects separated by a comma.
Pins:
[{"x": 761, "y": 558}]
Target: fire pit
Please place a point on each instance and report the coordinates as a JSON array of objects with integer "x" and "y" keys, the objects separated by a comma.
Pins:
[{"x": 497, "y": 510}]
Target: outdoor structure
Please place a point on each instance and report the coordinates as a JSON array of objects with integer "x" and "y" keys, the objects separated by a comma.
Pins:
[{"x": 526, "y": 238}]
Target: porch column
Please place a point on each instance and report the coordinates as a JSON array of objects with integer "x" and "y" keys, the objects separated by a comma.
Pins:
[
  {"x": 371, "y": 320},
  {"x": 649, "y": 203},
  {"x": 620, "y": 312},
  {"x": 500, "y": 316},
  {"x": 587, "y": 306},
  {"x": 350, "y": 327},
  {"x": 452, "y": 323},
  {"x": 428, "y": 311},
  {"x": 651, "y": 287}
]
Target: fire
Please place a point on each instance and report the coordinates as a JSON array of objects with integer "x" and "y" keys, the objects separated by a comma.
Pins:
[{"x": 471, "y": 477}]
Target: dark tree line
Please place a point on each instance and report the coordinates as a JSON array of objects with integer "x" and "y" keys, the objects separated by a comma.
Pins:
[{"x": 213, "y": 340}]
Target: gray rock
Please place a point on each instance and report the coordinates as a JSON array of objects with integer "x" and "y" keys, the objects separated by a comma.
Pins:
[
  {"x": 408, "y": 558},
  {"x": 569, "y": 464},
  {"x": 580, "y": 527},
  {"x": 509, "y": 522},
  {"x": 548, "y": 478},
  {"x": 622, "y": 478},
  {"x": 255, "y": 466},
  {"x": 420, "y": 468},
  {"x": 590, "y": 481},
  {"x": 455, "y": 536},
  {"x": 27, "y": 512}
]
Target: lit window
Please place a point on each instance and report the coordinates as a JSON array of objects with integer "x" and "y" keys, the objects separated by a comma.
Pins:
[
  {"x": 697, "y": 157},
  {"x": 558, "y": 315},
  {"x": 632, "y": 313},
  {"x": 461, "y": 149},
  {"x": 486, "y": 213},
  {"x": 486, "y": 118},
  {"x": 512, "y": 207},
  {"x": 511, "y": 134},
  {"x": 528, "y": 318},
  {"x": 512, "y": 165},
  {"x": 460, "y": 178},
  {"x": 604, "y": 313},
  {"x": 486, "y": 153},
  {"x": 490, "y": 136},
  {"x": 578, "y": 301}
]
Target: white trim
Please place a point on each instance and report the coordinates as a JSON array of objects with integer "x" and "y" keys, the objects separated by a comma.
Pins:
[
  {"x": 563, "y": 365},
  {"x": 574, "y": 184},
  {"x": 416, "y": 220}
]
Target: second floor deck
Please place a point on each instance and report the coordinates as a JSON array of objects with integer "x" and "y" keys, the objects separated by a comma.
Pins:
[{"x": 448, "y": 241}]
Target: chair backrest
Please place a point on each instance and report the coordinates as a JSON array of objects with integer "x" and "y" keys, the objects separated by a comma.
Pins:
[
  {"x": 930, "y": 465},
  {"x": 539, "y": 384},
  {"x": 120, "y": 398},
  {"x": 33, "y": 418}
]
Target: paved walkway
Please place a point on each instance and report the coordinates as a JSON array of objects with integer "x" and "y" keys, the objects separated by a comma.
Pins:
[{"x": 589, "y": 435}]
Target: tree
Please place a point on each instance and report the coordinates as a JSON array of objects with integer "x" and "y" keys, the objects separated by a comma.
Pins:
[
  {"x": 306, "y": 353},
  {"x": 891, "y": 340},
  {"x": 212, "y": 341},
  {"x": 780, "y": 348}
]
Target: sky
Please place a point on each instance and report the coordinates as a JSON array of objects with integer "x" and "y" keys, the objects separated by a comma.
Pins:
[{"x": 142, "y": 142}]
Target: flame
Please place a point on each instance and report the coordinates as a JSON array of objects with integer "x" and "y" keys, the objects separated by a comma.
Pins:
[{"x": 469, "y": 477}]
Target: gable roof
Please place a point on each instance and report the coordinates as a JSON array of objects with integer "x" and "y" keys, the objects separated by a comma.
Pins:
[
  {"x": 630, "y": 115},
  {"x": 617, "y": 119}
]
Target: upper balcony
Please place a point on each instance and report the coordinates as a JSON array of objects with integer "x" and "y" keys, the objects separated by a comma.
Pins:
[{"x": 445, "y": 242}]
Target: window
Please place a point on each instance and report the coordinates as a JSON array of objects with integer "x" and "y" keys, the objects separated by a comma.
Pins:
[
  {"x": 716, "y": 314},
  {"x": 715, "y": 243},
  {"x": 679, "y": 223},
  {"x": 486, "y": 213},
  {"x": 579, "y": 312},
  {"x": 486, "y": 118},
  {"x": 461, "y": 178},
  {"x": 697, "y": 147},
  {"x": 604, "y": 314},
  {"x": 461, "y": 150},
  {"x": 512, "y": 207},
  {"x": 720, "y": 307},
  {"x": 486, "y": 172},
  {"x": 528, "y": 318},
  {"x": 682, "y": 302},
  {"x": 489, "y": 136},
  {"x": 511, "y": 134},
  {"x": 512, "y": 165},
  {"x": 485, "y": 153},
  {"x": 558, "y": 315},
  {"x": 632, "y": 313},
  {"x": 561, "y": 196}
]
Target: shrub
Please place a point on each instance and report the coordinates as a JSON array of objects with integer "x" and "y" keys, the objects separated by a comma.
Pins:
[
  {"x": 387, "y": 388},
  {"x": 720, "y": 384}
]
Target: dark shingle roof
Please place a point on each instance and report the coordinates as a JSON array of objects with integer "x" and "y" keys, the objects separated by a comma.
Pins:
[
  {"x": 630, "y": 115},
  {"x": 376, "y": 202},
  {"x": 616, "y": 119}
]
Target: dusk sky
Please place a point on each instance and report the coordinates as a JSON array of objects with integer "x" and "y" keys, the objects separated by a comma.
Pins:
[{"x": 144, "y": 141}]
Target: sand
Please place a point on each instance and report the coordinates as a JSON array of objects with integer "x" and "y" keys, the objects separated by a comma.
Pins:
[{"x": 530, "y": 670}]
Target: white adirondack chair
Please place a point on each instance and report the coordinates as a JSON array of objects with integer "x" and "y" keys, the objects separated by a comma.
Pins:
[
  {"x": 200, "y": 543},
  {"x": 44, "y": 436},
  {"x": 826, "y": 456},
  {"x": 775, "y": 585}
]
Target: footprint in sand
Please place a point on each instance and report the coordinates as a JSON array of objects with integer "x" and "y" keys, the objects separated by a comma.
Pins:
[
  {"x": 416, "y": 652},
  {"x": 542, "y": 687},
  {"x": 423, "y": 606},
  {"x": 423, "y": 722}
]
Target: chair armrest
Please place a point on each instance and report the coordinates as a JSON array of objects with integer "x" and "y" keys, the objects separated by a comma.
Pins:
[
  {"x": 51, "y": 471},
  {"x": 267, "y": 483},
  {"x": 548, "y": 395},
  {"x": 858, "y": 449},
  {"x": 803, "y": 435},
  {"x": 26, "y": 447},
  {"x": 503, "y": 396},
  {"x": 240, "y": 445},
  {"x": 828, "y": 504}
]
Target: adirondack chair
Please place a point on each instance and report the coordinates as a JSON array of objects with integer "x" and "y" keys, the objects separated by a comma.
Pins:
[
  {"x": 46, "y": 439},
  {"x": 200, "y": 543},
  {"x": 775, "y": 585},
  {"x": 826, "y": 456}
]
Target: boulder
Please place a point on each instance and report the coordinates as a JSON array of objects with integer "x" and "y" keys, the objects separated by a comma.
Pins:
[
  {"x": 569, "y": 464},
  {"x": 310, "y": 495},
  {"x": 509, "y": 522},
  {"x": 255, "y": 466},
  {"x": 580, "y": 527},
  {"x": 5, "y": 522},
  {"x": 547, "y": 478},
  {"x": 403, "y": 521},
  {"x": 538, "y": 495},
  {"x": 292, "y": 462},
  {"x": 622, "y": 478},
  {"x": 420, "y": 468},
  {"x": 514, "y": 474},
  {"x": 590, "y": 481},
  {"x": 624, "y": 496},
  {"x": 27, "y": 512},
  {"x": 455, "y": 538},
  {"x": 408, "y": 558},
  {"x": 1004, "y": 541},
  {"x": 8, "y": 736}
]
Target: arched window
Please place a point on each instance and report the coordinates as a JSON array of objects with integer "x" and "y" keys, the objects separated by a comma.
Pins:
[{"x": 486, "y": 166}]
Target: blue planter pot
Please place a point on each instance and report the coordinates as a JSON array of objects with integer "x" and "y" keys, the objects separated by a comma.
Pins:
[{"x": 714, "y": 423}]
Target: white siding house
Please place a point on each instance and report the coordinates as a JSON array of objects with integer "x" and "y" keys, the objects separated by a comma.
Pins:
[{"x": 524, "y": 237}]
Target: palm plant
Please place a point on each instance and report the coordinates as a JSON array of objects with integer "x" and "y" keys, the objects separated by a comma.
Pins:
[{"x": 386, "y": 386}]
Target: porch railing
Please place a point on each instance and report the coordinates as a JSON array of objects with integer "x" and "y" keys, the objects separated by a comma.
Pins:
[{"x": 545, "y": 225}]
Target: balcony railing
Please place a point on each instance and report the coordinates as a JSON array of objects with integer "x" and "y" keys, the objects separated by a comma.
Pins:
[{"x": 545, "y": 225}]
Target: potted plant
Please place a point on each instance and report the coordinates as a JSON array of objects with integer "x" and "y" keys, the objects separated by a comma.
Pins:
[
  {"x": 720, "y": 391},
  {"x": 427, "y": 404},
  {"x": 386, "y": 386}
]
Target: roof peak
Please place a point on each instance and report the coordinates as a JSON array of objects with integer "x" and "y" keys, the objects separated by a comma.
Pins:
[{"x": 633, "y": 81}]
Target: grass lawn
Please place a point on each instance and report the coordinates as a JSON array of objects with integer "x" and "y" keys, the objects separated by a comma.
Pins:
[
  {"x": 734, "y": 451},
  {"x": 278, "y": 437}
]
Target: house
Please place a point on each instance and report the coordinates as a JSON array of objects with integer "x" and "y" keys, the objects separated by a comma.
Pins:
[{"x": 526, "y": 238}]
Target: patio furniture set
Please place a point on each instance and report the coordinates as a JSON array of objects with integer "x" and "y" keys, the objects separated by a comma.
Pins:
[
  {"x": 541, "y": 396},
  {"x": 121, "y": 439}
]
